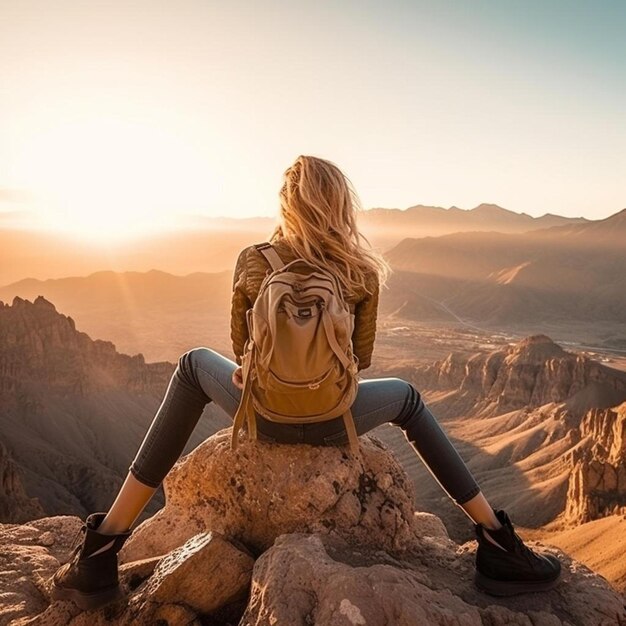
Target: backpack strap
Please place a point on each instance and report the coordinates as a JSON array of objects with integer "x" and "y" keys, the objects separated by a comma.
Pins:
[
  {"x": 353, "y": 438},
  {"x": 245, "y": 411},
  {"x": 332, "y": 340},
  {"x": 268, "y": 251}
]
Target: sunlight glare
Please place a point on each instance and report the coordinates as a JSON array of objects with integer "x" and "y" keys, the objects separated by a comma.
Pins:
[{"x": 108, "y": 179}]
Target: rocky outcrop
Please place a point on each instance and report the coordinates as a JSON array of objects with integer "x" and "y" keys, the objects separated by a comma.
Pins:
[
  {"x": 528, "y": 374},
  {"x": 607, "y": 430},
  {"x": 596, "y": 489},
  {"x": 41, "y": 347},
  {"x": 293, "y": 549},
  {"x": 597, "y": 484},
  {"x": 15, "y": 505},
  {"x": 255, "y": 495},
  {"x": 313, "y": 579},
  {"x": 558, "y": 415}
]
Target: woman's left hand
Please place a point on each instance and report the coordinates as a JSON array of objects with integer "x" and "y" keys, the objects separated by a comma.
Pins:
[{"x": 238, "y": 378}]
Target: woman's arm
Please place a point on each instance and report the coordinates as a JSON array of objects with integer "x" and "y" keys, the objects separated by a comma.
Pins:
[
  {"x": 240, "y": 303},
  {"x": 365, "y": 315}
]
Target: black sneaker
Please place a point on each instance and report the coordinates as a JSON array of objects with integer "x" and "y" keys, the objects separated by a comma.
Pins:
[
  {"x": 514, "y": 568},
  {"x": 90, "y": 577}
]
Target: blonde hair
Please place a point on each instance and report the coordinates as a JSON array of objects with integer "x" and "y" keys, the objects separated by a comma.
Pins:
[{"x": 318, "y": 211}]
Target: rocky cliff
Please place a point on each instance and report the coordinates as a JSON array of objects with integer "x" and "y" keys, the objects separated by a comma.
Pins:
[
  {"x": 542, "y": 429},
  {"x": 276, "y": 534},
  {"x": 15, "y": 505},
  {"x": 528, "y": 374},
  {"x": 73, "y": 410},
  {"x": 41, "y": 347},
  {"x": 597, "y": 485}
]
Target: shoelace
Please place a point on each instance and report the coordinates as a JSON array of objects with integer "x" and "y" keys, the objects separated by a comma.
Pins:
[
  {"x": 527, "y": 552},
  {"x": 521, "y": 547}
]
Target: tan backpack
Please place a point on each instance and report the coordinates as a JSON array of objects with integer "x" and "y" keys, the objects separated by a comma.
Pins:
[{"x": 298, "y": 365}]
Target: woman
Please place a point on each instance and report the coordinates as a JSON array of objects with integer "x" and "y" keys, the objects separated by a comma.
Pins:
[{"x": 318, "y": 209}]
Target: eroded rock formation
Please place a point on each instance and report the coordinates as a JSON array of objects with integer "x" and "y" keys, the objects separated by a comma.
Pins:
[
  {"x": 254, "y": 496},
  {"x": 528, "y": 374},
  {"x": 597, "y": 485},
  {"x": 42, "y": 347},
  {"x": 73, "y": 411},
  {"x": 15, "y": 505}
]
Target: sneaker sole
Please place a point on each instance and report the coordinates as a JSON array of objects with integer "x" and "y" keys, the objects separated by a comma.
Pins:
[
  {"x": 510, "y": 588},
  {"x": 86, "y": 601}
]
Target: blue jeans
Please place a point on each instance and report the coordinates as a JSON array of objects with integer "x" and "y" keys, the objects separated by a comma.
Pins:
[{"x": 203, "y": 375}]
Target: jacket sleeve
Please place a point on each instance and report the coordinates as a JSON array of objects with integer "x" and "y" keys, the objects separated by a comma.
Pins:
[
  {"x": 365, "y": 314},
  {"x": 240, "y": 303}
]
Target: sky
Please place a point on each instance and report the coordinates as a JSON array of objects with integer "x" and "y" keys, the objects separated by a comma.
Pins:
[{"x": 127, "y": 115}]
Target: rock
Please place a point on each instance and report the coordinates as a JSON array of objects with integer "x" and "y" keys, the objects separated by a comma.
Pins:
[
  {"x": 607, "y": 427},
  {"x": 15, "y": 505},
  {"x": 430, "y": 525},
  {"x": 27, "y": 558},
  {"x": 322, "y": 580},
  {"x": 46, "y": 539},
  {"x": 204, "y": 574},
  {"x": 134, "y": 573},
  {"x": 597, "y": 482},
  {"x": 263, "y": 490}
]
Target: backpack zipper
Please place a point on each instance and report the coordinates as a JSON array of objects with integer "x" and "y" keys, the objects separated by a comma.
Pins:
[{"x": 282, "y": 282}]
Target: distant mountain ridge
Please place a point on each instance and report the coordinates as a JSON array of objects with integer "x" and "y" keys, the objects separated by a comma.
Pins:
[
  {"x": 520, "y": 281},
  {"x": 560, "y": 274},
  {"x": 428, "y": 218},
  {"x": 610, "y": 230},
  {"x": 212, "y": 244},
  {"x": 434, "y": 220}
]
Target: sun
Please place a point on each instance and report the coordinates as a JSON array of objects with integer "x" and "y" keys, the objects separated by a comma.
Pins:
[{"x": 108, "y": 178}]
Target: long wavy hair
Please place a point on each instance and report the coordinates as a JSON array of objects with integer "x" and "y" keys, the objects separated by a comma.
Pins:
[{"x": 318, "y": 218}]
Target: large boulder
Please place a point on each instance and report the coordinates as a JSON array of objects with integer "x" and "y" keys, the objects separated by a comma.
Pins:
[{"x": 263, "y": 490}]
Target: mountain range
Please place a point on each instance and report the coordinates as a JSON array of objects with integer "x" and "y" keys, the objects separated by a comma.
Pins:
[
  {"x": 566, "y": 280},
  {"x": 204, "y": 242},
  {"x": 154, "y": 312},
  {"x": 564, "y": 274}
]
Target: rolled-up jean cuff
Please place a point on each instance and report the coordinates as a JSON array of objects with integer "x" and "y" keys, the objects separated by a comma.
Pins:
[
  {"x": 468, "y": 496},
  {"x": 142, "y": 479}
]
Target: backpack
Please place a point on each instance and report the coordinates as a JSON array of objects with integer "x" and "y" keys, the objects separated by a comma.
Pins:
[{"x": 298, "y": 365}]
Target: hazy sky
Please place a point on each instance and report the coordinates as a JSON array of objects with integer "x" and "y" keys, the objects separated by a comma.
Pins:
[{"x": 135, "y": 110}]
